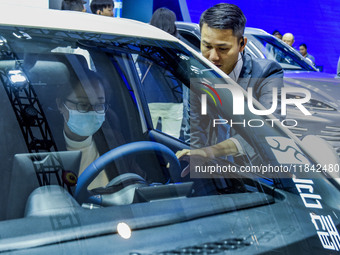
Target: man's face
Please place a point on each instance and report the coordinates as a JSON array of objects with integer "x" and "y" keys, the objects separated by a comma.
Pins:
[
  {"x": 303, "y": 50},
  {"x": 288, "y": 39},
  {"x": 108, "y": 11},
  {"x": 221, "y": 47}
]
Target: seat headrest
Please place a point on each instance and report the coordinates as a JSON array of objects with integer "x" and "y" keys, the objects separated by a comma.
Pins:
[{"x": 52, "y": 68}]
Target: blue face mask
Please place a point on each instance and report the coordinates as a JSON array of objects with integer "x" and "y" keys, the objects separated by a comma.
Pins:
[{"x": 85, "y": 124}]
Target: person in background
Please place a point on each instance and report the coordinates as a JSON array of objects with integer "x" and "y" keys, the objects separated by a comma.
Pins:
[
  {"x": 288, "y": 38},
  {"x": 165, "y": 103},
  {"x": 73, "y": 5},
  {"x": 304, "y": 53},
  {"x": 276, "y": 54},
  {"x": 102, "y": 7},
  {"x": 277, "y": 34},
  {"x": 165, "y": 19}
]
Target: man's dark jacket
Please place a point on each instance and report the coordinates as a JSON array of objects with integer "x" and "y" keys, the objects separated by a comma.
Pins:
[{"x": 260, "y": 74}]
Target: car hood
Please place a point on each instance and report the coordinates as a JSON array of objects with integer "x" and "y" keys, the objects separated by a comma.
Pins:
[
  {"x": 323, "y": 86},
  {"x": 311, "y": 75}
]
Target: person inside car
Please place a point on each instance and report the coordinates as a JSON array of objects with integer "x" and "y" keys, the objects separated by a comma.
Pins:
[{"x": 83, "y": 108}]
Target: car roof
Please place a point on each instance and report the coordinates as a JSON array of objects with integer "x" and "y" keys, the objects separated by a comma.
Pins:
[
  {"x": 257, "y": 31},
  {"x": 72, "y": 20}
]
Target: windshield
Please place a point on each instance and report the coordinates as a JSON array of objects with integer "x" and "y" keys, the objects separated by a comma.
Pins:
[
  {"x": 264, "y": 46},
  {"x": 90, "y": 125}
]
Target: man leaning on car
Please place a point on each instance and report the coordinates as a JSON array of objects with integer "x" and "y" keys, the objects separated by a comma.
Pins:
[{"x": 223, "y": 43}]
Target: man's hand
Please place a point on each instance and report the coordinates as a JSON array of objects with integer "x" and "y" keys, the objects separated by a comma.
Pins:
[
  {"x": 181, "y": 153},
  {"x": 198, "y": 152},
  {"x": 225, "y": 148}
]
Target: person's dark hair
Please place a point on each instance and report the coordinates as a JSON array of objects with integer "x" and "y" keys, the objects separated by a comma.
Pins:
[
  {"x": 164, "y": 19},
  {"x": 64, "y": 90},
  {"x": 100, "y": 5},
  {"x": 303, "y": 45},
  {"x": 72, "y": 5},
  {"x": 276, "y": 32},
  {"x": 225, "y": 16}
]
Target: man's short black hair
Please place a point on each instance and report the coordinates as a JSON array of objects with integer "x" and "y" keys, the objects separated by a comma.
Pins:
[
  {"x": 72, "y": 5},
  {"x": 100, "y": 5},
  {"x": 225, "y": 16},
  {"x": 303, "y": 45}
]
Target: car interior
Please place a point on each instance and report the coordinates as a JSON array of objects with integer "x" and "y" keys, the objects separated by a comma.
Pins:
[{"x": 39, "y": 155}]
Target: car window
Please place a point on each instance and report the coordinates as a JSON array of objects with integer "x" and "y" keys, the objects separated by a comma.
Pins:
[
  {"x": 164, "y": 95},
  {"x": 190, "y": 39},
  {"x": 271, "y": 48},
  {"x": 259, "y": 46},
  {"x": 68, "y": 95}
]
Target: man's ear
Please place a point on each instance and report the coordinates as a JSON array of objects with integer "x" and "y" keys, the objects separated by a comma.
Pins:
[{"x": 243, "y": 43}]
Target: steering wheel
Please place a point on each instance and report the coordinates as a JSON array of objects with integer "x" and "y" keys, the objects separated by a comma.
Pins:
[{"x": 90, "y": 173}]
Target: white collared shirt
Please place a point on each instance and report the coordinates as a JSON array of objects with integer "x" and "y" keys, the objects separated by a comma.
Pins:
[{"x": 235, "y": 73}]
